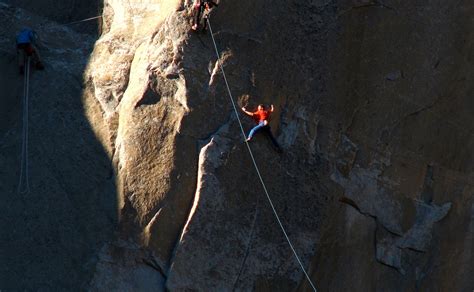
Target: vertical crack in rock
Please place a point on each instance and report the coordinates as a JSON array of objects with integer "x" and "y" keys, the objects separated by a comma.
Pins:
[
  {"x": 207, "y": 188},
  {"x": 247, "y": 249},
  {"x": 203, "y": 145}
]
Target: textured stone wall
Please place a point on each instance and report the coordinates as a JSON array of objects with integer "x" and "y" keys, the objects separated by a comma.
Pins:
[
  {"x": 348, "y": 80},
  {"x": 373, "y": 110},
  {"x": 398, "y": 123},
  {"x": 50, "y": 237}
]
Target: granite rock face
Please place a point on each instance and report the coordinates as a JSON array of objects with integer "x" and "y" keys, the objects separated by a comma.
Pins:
[
  {"x": 50, "y": 236},
  {"x": 395, "y": 125},
  {"x": 137, "y": 149}
]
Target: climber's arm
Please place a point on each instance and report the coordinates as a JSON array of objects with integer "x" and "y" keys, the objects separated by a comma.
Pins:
[{"x": 247, "y": 112}]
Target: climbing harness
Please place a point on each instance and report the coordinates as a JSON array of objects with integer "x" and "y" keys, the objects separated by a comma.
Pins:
[
  {"x": 253, "y": 159},
  {"x": 24, "y": 182}
]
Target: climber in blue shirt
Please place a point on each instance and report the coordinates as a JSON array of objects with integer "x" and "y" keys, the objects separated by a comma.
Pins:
[{"x": 26, "y": 42}]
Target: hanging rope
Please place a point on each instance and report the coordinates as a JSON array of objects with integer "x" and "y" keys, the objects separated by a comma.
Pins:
[
  {"x": 24, "y": 182},
  {"x": 83, "y": 20},
  {"x": 253, "y": 159}
]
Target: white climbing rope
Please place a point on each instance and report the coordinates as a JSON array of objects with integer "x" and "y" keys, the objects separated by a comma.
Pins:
[
  {"x": 254, "y": 162},
  {"x": 83, "y": 20},
  {"x": 24, "y": 182}
]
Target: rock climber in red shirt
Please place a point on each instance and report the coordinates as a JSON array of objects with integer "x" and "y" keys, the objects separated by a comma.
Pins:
[{"x": 261, "y": 118}]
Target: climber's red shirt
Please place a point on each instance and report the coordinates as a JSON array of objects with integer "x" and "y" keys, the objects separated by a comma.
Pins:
[{"x": 260, "y": 115}]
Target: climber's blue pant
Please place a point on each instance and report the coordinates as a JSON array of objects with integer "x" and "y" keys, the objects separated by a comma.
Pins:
[{"x": 255, "y": 129}]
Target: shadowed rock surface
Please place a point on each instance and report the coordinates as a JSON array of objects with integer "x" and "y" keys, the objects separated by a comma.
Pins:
[
  {"x": 136, "y": 149},
  {"x": 50, "y": 237}
]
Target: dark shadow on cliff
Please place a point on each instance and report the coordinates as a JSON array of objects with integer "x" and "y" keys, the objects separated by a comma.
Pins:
[
  {"x": 50, "y": 236},
  {"x": 65, "y": 11}
]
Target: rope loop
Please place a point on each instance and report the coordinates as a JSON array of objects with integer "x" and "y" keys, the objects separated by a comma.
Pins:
[{"x": 24, "y": 181}]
